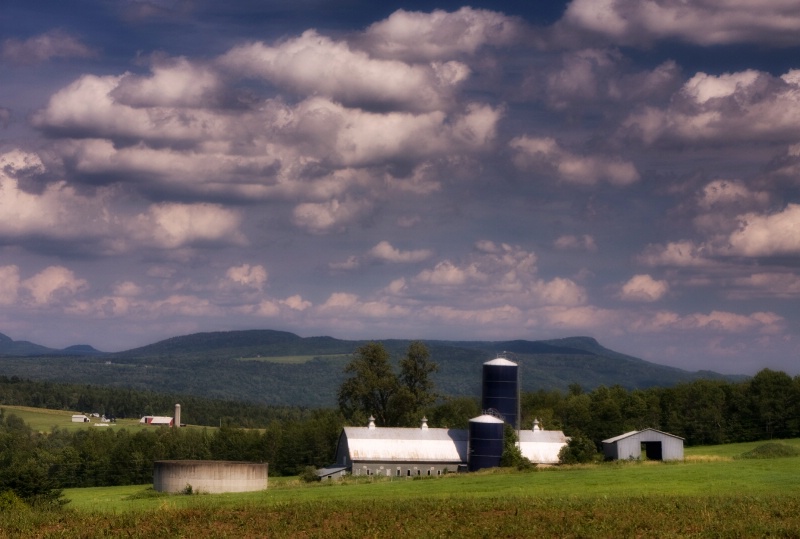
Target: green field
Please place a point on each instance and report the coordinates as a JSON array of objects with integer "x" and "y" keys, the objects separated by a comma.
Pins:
[{"x": 294, "y": 360}]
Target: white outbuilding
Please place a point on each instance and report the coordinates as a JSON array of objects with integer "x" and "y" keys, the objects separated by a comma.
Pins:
[{"x": 655, "y": 444}]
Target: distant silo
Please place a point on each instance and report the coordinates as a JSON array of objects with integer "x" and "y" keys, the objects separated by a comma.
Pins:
[
  {"x": 500, "y": 391},
  {"x": 177, "y": 420},
  {"x": 209, "y": 476},
  {"x": 485, "y": 442}
]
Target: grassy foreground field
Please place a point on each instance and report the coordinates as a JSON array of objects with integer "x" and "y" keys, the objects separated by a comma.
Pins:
[{"x": 711, "y": 494}]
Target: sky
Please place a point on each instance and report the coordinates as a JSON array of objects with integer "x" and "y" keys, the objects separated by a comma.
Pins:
[{"x": 622, "y": 169}]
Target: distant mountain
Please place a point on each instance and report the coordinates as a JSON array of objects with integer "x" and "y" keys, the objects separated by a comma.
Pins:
[
  {"x": 278, "y": 367},
  {"x": 10, "y": 347}
]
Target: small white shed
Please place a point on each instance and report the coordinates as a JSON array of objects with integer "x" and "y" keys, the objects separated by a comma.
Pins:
[
  {"x": 79, "y": 418},
  {"x": 656, "y": 445}
]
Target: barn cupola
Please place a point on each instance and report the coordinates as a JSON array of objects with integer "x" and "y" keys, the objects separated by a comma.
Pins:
[
  {"x": 424, "y": 423},
  {"x": 371, "y": 423},
  {"x": 536, "y": 425}
]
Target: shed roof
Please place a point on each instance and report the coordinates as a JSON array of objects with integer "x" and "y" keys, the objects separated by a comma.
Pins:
[
  {"x": 634, "y": 432},
  {"x": 406, "y": 444}
]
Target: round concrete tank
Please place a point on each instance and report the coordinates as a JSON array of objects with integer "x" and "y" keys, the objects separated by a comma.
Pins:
[
  {"x": 485, "y": 442},
  {"x": 211, "y": 476},
  {"x": 500, "y": 388}
]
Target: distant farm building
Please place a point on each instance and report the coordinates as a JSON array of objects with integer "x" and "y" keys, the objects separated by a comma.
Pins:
[
  {"x": 163, "y": 421},
  {"x": 655, "y": 444},
  {"x": 209, "y": 476},
  {"x": 424, "y": 451},
  {"x": 156, "y": 420},
  {"x": 80, "y": 418}
]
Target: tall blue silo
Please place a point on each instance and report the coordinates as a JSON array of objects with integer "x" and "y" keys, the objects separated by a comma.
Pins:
[
  {"x": 485, "y": 442},
  {"x": 500, "y": 393}
]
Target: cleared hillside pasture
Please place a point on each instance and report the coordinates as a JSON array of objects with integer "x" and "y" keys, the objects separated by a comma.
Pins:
[
  {"x": 713, "y": 498},
  {"x": 44, "y": 420},
  {"x": 296, "y": 360}
]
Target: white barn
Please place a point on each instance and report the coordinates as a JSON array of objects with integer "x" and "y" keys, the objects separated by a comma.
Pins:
[
  {"x": 424, "y": 451},
  {"x": 401, "y": 452},
  {"x": 541, "y": 446}
]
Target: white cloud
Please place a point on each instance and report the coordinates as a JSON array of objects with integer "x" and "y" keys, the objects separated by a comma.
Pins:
[
  {"x": 331, "y": 216},
  {"x": 9, "y": 284},
  {"x": 172, "y": 225},
  {"x": 715, "y": 321},
  {"x": 57, "y": 212},
  {"x": 173, "y": 83},
  {"x": 768, "y": 235},
  {"x": 644, "y": 288},
  {"x": 766, "y": 284},
  {"x": 313, "y": 64},
  {"x": 683, "y": 253},
  {"x": 441, "y": 35},
  {"x": 571, "y": 242},
  {"x": 54, "y": 284},
  {"x": 724, "y": 193},
  {"x": 385, "y": 252},
  {"x": 44, "y": 47},
  {"x": 570, "y": 167},
  {"x": 297, "y": 303},
  {"x": 248, "y": 276},
  {"x": 704, "y": 22},
  {"x": 734, "y": 107}
]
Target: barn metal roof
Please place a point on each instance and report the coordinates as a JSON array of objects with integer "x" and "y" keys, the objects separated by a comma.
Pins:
[
  {"x": 633, "y": 432},
  {"x": 406, "y": 444},
  {"x": 542, "y": 446}
]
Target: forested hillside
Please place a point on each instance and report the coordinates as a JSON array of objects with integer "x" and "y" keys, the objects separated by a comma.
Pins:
[{"x": 281, "y": 368}]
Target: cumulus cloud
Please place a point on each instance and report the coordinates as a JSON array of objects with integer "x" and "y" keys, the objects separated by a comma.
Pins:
[
  {"x": 53, "y": 285},
  {"x": 385, "y": 252},
  {"x": 706, "y": 22},
  {"x": 569, "y": 167},
  {"x": 733, "y": 107},
  {"x": 173, "y": 83},
  {"x": 678, "y": 253},
  {"x": 173, "y": 225},
  {"x": 439, "y": 35},
  {"x": 571, "y": 242},
  {"x": 9, "y": 284},
  {"x": 643, "y": 288},
  {"x": 315, "y": 64},
  {"x": 247, "y": 276},
  {"x": 715, "y": 321},
  {"x": 44, "y": 47},
  {"x": 58, "y": 212},
  {"x": 331, "y": 216},
  {"x": 768, "y": 235},
  {"x": 726, "y": 193},
  {"x": 601, "y": 77},
  {"x": 777, "y": 284}
]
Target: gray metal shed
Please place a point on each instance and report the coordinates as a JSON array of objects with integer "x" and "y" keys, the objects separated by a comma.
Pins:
[{"x": 656, "y": 445}]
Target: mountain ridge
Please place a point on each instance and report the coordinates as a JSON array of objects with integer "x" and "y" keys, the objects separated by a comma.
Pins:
[{"x": 282, "y": 368}]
